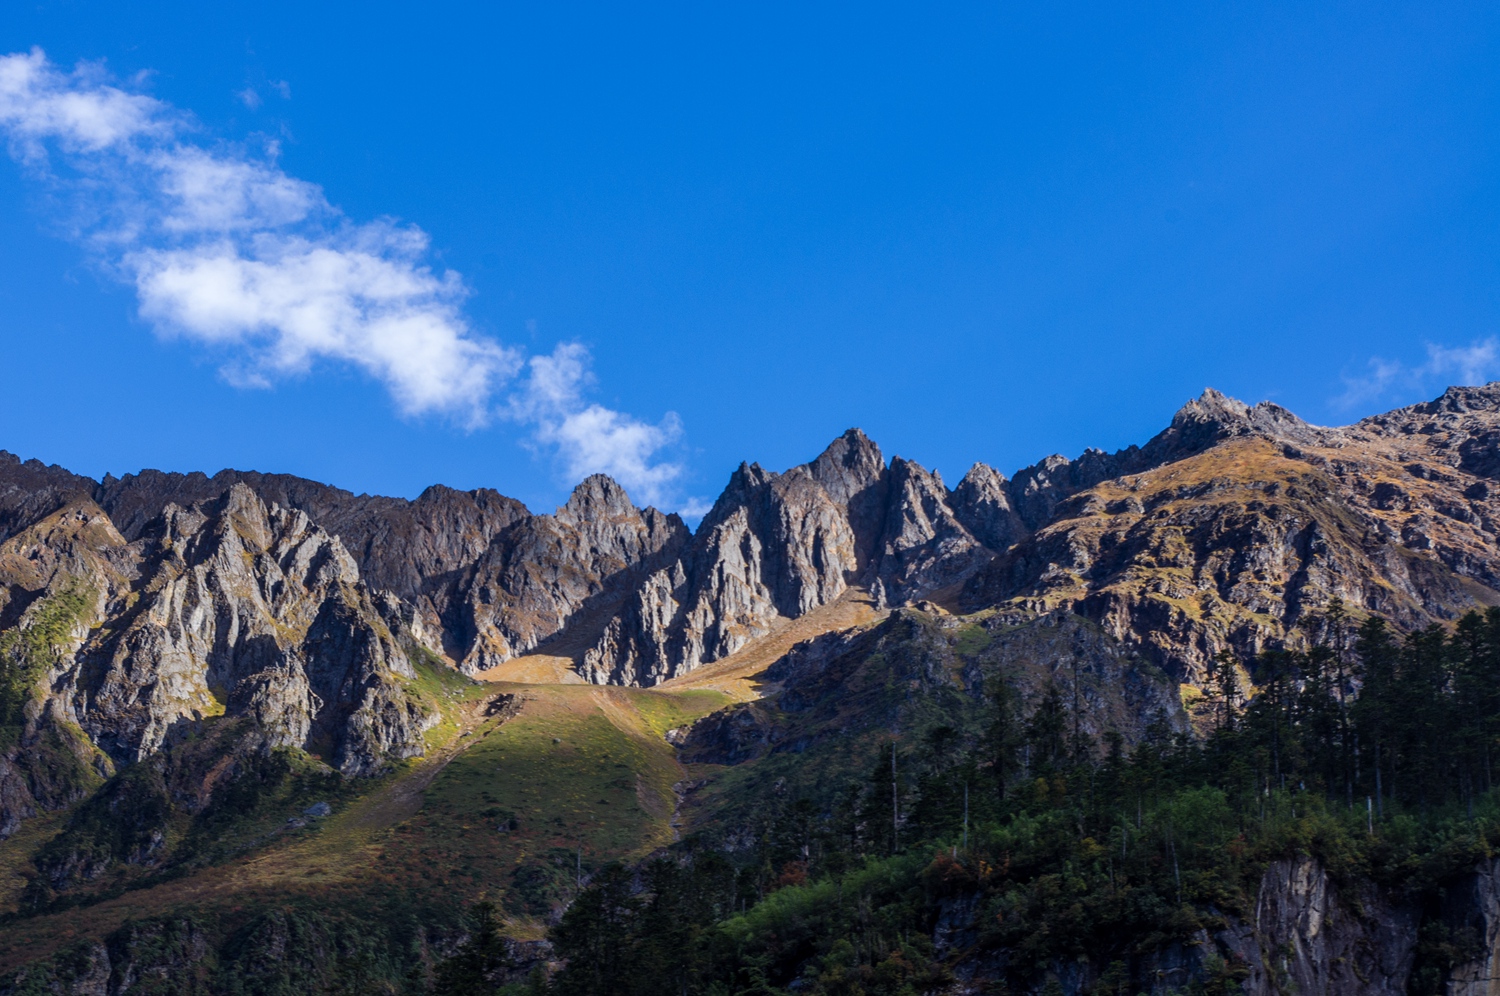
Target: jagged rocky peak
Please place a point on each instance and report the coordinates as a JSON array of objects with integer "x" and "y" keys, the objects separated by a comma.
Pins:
[
  {"x": 773, "y": 546},
  {"x": 1241, "y": 542},
  {"x": 601, "y": 511},
  {"x": 1199, "y": 425},
  {"x": 852, "y": 470},
  {"x": 1459, "y": 429},
  {"x": 1212, "y": 418},
  {"x": 777, "y": 546},
  {"x": 31, "y": 490},
  {"x": 1482, "y": 399},
  {"x": 982, "y": 503},
  {"x": 924, "y": 545},
  {"x": 597, "y": 496},
  {"x": 851, "y": 464},
  {"x": 546, "y": 572},
  {"x": 409, "y": 547}
]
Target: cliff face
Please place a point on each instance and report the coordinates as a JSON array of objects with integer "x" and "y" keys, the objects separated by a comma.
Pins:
[
  {"x": 549, "y": 570},
  {"x": 1307, "y": 937},
  {"x": 1472, "y": 914},
  {"x": 116, "y": 648},
  {"x": 777, "y": 546},
  {"x": 1304, "y": 935},
  {"x": 245, "y": 610}
]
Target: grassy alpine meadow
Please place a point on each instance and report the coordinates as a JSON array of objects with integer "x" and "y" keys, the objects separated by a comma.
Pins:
[{"x": 506, "y": 808}]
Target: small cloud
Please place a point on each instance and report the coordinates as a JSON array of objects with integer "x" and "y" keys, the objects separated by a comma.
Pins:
[
  {"x": 283, "y": 89},
  {"x": 694, "y": 509},
  {"x": 593, "y": 439},
  {"x": 1476, "y": 363},
  {"x": 250, "y": 98}
]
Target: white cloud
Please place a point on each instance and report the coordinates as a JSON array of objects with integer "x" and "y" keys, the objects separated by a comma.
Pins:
[
  {"x": 77, "y": 111},
  {"x": 250, "y": 98},
  {"x": 1476, "y": 363},
  {"x": 592, "y": 439},
  {"x": 363, "y": 300},
  {"x": 226, "y": 249}
]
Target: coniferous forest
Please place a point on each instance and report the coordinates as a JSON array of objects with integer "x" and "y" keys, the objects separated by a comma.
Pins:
[{"x": 1373, "y": 753}]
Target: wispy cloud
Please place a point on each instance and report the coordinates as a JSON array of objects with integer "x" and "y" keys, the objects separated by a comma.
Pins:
[
  {"x": 1476, "y": 363},
  {"x": 225, "y": 249},
  {"x": 591, "y": 438}
]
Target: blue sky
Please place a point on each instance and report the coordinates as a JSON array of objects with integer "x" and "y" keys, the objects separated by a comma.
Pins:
[{"x": 659, "y": 239}]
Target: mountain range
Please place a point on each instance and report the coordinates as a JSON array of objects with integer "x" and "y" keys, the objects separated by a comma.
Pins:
[{"x": 163, "y": 634}]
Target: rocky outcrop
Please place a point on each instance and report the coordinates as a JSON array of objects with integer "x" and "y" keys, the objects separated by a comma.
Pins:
[
  {"x": 924, "y": 546},
  {"x": 1201, "y": 424},
  {"x": 250, "y": 611},
  {"x": 227, "y": 607},
  {"x": 484, "y": 578},
  {"x": 982, "y": 503},
  {"x": 31, "y": 490},
  {"x": 777, "y": 546},
  {"x": 1305, "y": 934},
  {"x": 1471, "y": 914},
  {"x": 58, "y": 576},
  {"x": 548, "y": 571},
  {"x": 773, "y": 546},
  {"x": 1309, "y": 938},
  {"x": 416, "y": 549}
]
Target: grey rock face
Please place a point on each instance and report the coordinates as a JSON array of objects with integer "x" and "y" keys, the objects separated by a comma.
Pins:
[
  {"x": 415, "y": 549},
  {"x": 774, "y": 546},
  {"x": 227, "y": 607},
  {"x": 545, "y": 570},
  {"x": 924, "y": 546},
  {"x": 485, "y": 579},
  {"x": 981, "y": 502},
  {"x": 1310, "y": 939},
  {"x": 853, "y": 473},
  {"x": 777, "y": 546},
  {"x": 1304, "y": 936},
  {"x": 1472, "y": 911}
]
